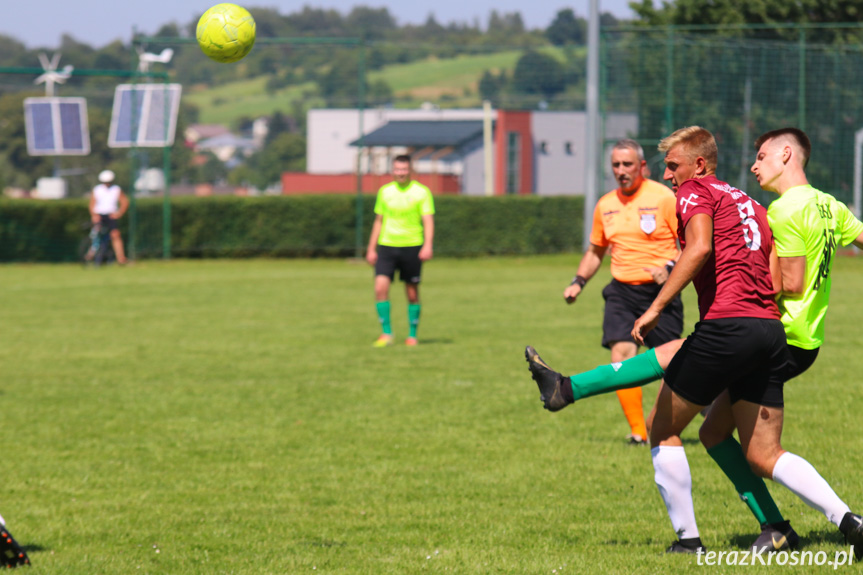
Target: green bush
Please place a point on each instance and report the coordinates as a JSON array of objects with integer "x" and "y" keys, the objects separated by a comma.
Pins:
[
  {"x": 41, "y": 231},
  {"x": 295, "y": 226}
]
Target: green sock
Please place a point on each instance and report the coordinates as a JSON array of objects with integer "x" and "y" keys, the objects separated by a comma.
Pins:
[
  {"x": 383, "y": 308},
  {"x": 414, "y": 318},
  {"x": 634, "y": 372},
  {"x": 751, "y": 488}
]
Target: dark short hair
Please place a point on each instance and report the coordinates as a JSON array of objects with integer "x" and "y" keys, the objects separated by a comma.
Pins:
[
  {"x": 402, "y": 158},
  {"x": 796, "y": 134}
]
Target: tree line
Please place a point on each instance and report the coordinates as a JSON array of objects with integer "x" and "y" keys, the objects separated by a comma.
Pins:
[{"x": 549, "y": 72}]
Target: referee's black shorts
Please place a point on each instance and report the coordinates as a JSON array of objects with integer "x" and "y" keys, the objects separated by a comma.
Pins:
[
  {"x": 406, "y": 260},
  {"x": 748, "y": 356},
  {"x": 625, "y": 303}
]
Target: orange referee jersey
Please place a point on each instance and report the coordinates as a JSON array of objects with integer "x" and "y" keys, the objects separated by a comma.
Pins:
[{"x": 641, "y": 230}]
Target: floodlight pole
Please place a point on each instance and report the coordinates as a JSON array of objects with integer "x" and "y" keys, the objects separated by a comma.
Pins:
[
  {"x": 858, "y": 172},
  {"x": 592, "y": 137},
  {"x": 361, "y": 104},
  {"x": 166, "y": 202},
  {"x": 144, "y": 61}
]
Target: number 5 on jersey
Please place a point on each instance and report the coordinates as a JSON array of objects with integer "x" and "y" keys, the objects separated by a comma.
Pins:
[{"x": 751, "y": 233}]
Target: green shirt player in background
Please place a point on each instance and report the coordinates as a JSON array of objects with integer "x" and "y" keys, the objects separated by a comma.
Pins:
[{"x": 401, "y": 239}]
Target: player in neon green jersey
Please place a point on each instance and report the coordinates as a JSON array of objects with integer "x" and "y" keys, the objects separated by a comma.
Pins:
[
  {"x": 807, "y": 227},
  {"x": 401, "y": 239}
]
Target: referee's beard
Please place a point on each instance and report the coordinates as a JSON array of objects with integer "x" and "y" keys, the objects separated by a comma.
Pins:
[{"x": 632, "y": 188}]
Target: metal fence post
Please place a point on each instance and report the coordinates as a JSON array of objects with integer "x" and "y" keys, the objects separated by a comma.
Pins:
[
  {"x": 361, "y": 96},
  {"x": 801, "y": 80}
]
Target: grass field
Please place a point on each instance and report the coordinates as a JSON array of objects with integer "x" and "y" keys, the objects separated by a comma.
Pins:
[{"x": 231, "y": 417}]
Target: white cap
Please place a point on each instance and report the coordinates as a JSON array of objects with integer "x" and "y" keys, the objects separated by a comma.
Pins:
[{"x": 106, "y": 176}]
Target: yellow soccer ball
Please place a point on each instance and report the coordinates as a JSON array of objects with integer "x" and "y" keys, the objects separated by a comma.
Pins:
[{"x": 226, "y": 32}]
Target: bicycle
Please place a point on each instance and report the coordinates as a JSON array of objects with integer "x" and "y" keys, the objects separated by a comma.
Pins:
[{"x": 96, "y": 247}]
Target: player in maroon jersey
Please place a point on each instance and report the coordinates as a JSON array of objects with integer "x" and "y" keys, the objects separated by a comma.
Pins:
[{"x": 739, "y": 344}]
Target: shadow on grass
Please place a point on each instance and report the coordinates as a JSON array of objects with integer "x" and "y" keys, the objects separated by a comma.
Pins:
[
  {"x": 645, "y": 446},
  {"x": 819, "y": 537},
  {"x": 436, "y": 341},
  {"x": 744, "y": 540},
  {"x": 652, "y": 543},
  {"x": 823, "y": 535},
  {"x": 325, "y": 543}
]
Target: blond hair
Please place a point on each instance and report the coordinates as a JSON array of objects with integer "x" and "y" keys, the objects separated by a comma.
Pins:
[{"x": 696, "y": 142}]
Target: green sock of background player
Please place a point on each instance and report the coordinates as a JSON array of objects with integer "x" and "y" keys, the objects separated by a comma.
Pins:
[
  {"x": 751, "y": 488},
  {"x": 641, "y": 370},
  {"x": 383, "y": 308},
  {"x": 414, "y": 318}
]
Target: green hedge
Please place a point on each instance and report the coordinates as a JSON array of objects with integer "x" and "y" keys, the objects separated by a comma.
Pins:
[
  {"x": 295, "y": 226},
  {"x": 42, "y": 231}
]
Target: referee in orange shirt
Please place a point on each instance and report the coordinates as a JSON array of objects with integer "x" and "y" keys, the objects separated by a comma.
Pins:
[{"x": 639, "y": 223}]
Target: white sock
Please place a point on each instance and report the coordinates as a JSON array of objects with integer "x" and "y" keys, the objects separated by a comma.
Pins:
[
  {"x": 675, "y": 486},
  {"x": 803, "y": 480}
]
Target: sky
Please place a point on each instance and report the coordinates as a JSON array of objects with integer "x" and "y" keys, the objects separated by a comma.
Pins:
[{"x": 41, "y": 23}]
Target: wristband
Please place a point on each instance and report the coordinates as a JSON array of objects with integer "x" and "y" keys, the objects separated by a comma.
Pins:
[
  {"x": 669, "y": 265},
  {"x": 578, "y": 280}
]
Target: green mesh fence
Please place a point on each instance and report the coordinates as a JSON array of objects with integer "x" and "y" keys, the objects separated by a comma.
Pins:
[
  {"x": 736, "y": 81},
  {"x": 738, "y": 88}
]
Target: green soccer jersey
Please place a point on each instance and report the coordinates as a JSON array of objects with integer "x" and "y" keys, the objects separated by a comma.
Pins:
[
  {"x": 810, "y": 223},
  {"x": 402, "y": 210}
]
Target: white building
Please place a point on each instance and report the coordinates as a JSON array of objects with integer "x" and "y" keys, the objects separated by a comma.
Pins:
[{"x": 539, "y": 152}]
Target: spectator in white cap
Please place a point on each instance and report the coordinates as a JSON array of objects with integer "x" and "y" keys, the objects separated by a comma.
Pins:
[{"x": 107, "y": 205}]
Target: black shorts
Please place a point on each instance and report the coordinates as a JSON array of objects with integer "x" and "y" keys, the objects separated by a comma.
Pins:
[
  {"x": 626, "y": 303},
  {"x": 107, "y": 222},
  {"x": 801, "y": 360},
  {"x": 748, "y": 356},
  {"x": 406, "y": 260}
]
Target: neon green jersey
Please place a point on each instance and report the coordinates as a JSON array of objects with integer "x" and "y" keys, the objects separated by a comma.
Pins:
[
  {"x": 402, "y": 210},
  {"x": 807, "y": 222}
]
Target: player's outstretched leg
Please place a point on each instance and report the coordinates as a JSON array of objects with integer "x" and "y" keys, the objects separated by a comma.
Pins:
[
  {"x": 852, "y": 528},
  {"x": 11, "y": 554},
  {"x": 634, "y": 372},
  {"x": 555, "y": 390}
]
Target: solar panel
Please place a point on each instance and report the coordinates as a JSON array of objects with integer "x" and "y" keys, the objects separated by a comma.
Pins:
[
  {"x": 56, "y": 126},
  {"x": 144, "y": 115}
]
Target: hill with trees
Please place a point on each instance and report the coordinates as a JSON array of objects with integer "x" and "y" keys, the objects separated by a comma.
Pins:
[{"x": 455, "y": 64}]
